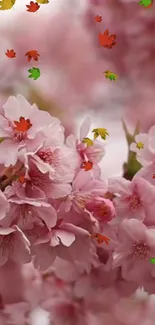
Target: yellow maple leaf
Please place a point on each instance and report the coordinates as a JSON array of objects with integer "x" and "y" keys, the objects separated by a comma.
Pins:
[
  {"x": 6, "y": 4},
  {"x": 100, "y": 132},
  {"x": 140, "y": 145},
  {"x": 88, "y": 141},
  {"x": 43, "y": 1}
]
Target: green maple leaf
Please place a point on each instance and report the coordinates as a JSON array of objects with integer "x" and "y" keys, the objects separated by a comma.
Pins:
[
  {"x": 110, "y": 75},
  {"x": 145, "y": 3},
  {"x": 152, "y": 260},
  {"x": 113, "y": 76},
  {"x": 34, "y": 73}
]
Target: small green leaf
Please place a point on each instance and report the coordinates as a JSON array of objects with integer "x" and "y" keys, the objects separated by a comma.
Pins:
[
  {"x": 34, "y": 73},
  {"x": 145, "y": 3},
  {"x": 152, "y": 260}
]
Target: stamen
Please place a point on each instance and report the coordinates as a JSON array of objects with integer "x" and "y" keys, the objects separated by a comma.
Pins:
[{"x": 140, "y": 250}]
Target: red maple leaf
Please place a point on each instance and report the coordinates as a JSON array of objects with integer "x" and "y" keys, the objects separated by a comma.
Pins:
[
  {"x": 107, "y": 40},
  {"x": 22, "y": 125},
  {"x": 32, "y": 54},
  {"x": 33, "y": 6},
  {"x": 98, "y": 18},
  {"x": 87, "y": 165},
  {"x": 11, "y": 54}
]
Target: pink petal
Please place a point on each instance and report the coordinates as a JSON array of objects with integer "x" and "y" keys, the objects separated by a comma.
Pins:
[
  {"x": 43, "y": 258},
  {"x": 71, "y": 141},
  {"x": 134, "y": 229},
  {"x": 78, "y": 231},
  {"x": 18, "y": 106},
  {"x": 96, "y": 186},
  {"x": 119, "y": 185},
  {"x": 4, "y": 205},
  {"x": 11, "y": 158},
  {"x": 59, "y": 190},
  {"x": 84, "y": 129},
  {"x": 6, "y": 231},
  {"x": 21, "y": 253},
  {"x": 48, "y": 215},
  {"x": 82, "y": 178},
  {"x": 66, "y": 238},
  {"x": 40, "y": 121},
  {"x": 145, "y": 190},
  {"x": 3, "y": 126}
]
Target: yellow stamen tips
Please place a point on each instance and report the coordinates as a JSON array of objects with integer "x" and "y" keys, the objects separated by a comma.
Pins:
[
  {"x": 100, "y": 132},
  {"x": 88, "y": 141},
  {"x": 140, "y": 145}
]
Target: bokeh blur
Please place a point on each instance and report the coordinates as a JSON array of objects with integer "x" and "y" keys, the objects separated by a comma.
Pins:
[{"x": 72, "y": 83}]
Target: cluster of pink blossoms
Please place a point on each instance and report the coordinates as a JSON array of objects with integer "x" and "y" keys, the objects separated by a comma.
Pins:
[{"x": 90, "y": 240}]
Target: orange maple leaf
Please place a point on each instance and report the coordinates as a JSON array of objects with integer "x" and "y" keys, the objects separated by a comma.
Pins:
[
  {"x": 33, "y": 6},
  {"x": 101, "y": 239},
  {"x": 98, "y": 18},
  {"x": 87, "y": 165},
  {"x": 11, "y": 54},
  {"x": 23, "y": 125},
  {"x": 32, "y": 54},
  {"x": 107, "y": 40}
]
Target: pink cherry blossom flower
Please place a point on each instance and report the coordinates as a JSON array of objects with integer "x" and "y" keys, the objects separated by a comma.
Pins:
[
  {"x": 134, "y": 199},
  {"x": 102, "y": 209},
  {"x": 92, "y": 153},
  {"x": 20, "y": 126},
  {"x": 36, "y": 185},
  {"x": 136, "y": 245},
  {"x": 84, "y": 187},
  {"x": 148, "y": 173},
  {"x": 65, "y": 241},
  {"x": 14, "y": 245},
  {"x": 25, "y": 213},
  {"x": 61, "y": 163},
  {"x": 145, "y": 147}
]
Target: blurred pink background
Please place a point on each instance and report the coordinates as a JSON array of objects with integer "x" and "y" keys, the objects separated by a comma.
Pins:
[{"x": 72, "y": 84}]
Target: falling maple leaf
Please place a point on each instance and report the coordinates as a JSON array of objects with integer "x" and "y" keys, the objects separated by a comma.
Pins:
[
  {"x": 88, "y": 141},
  {"x": 6, "y": 4},
  {"x": 101, "y": 239},
  {"x": 146, "y": 3},
  {"x": 98, "y": 18},
  {"x": 153, "y": 176},
  {"x": 110, "y": 75},
  {"x": 32, "y": 54},
  {"x": 10, "y": 54},
  {"x": 100, "y": 132},
  {"x": 152, "y": 260},
  {"x": 107, "y": 40},
  {"x": 22, "y": 125},
  {"x": 87, "y": 165},
  {"x": 42, "y": 1},
  {"x": 32, "y": 7},
  {"x": 34, "y": 73}
]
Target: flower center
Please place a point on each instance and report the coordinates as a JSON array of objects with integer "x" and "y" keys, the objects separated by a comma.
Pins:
[
  {"x": 45, "y": 155},
  {"x": 134, "y": 201},
  {"x": 21, "y": 127},
  {"x": 140, "y": 250}
]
